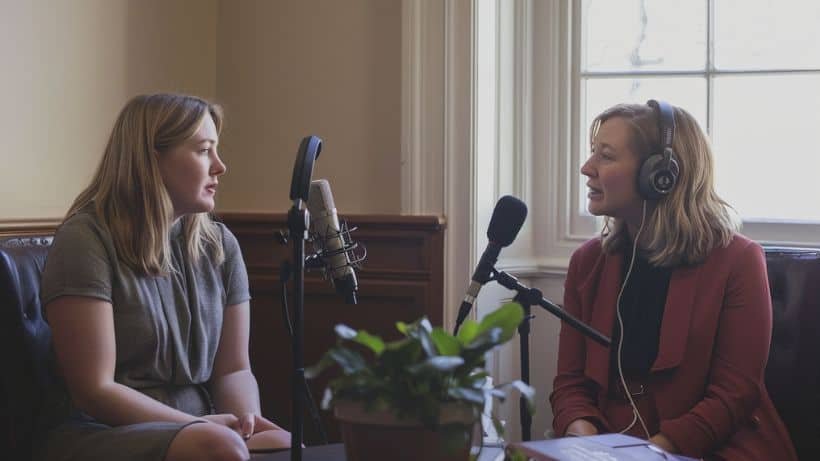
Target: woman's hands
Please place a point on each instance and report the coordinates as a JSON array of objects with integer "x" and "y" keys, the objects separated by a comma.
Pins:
[
  {"x": 274, "y": 439},
  {"x": 250, "y": 424},
  {"x": 662, "y": 441},
  {"x": 581, "y": 427}
]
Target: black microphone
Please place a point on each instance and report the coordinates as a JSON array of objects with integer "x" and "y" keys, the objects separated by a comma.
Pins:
[
  {"x": 335, "y": 250},
  {"x": 508, "y": 217}
]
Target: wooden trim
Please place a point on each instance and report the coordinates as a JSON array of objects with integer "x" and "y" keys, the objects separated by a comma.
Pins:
[{"x": 23, "y": 228}]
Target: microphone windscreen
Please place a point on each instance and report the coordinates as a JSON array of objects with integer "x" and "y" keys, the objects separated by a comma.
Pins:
[
  {"x": 508, "y": 217},
  {"x": 320, "y": 199}
]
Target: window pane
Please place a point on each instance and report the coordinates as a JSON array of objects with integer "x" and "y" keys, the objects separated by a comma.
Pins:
[
  {"x": 765, "y": 155},
  {"x": 766, "y": 34},
  {"x": 633, "y": 35},
  {"x": 602, "y": 93}
]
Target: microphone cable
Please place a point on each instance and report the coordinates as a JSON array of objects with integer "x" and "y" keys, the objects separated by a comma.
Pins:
[
  {"x": 636, "y": 414},
  {"x": 284, "y": 276}
]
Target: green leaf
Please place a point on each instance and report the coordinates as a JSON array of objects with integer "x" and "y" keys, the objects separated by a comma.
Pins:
[
  {"x": 348, "y": 360},
  {"x": 345, "y": 332},
  {"x": 486, "y": 340},
  {"x": 421, "y": 331},
  {"x": 446, "y": 343},
  {"x": 467, "y": 332},
  {"x": 427, "y": 343},
  {"x": 475, "y": 396},
  {"x": 526, "y": 391},
  {"x": 499, "y": 428},
  {"x": 327, "y": 399},
  {"x": 413, "y": 376},
  {"x": 374, "y": 343},
  {"x": 507, "y": 317},
  {"x": 442, "y": 363},
  {"x": 513, "y": 454}
]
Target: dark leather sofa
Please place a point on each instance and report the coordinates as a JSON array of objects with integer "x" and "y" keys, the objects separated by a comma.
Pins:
[{"x": 792, "y": 373}]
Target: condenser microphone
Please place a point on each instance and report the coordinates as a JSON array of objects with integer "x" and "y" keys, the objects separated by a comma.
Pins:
[
  {"x": 508, "y": 217},
  {"x": 325, "y": 223}
]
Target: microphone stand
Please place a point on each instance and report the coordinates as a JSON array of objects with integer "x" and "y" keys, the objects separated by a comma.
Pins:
[
  {"x": 298, "y": 220},
  {"x": 298, "y": 224},
  {"x": 529, "y": 297}
]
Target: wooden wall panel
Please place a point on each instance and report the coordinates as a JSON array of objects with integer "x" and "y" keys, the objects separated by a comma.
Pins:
[{"x": 401, "y": 279}]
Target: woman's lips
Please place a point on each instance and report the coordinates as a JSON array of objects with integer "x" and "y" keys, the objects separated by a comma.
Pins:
[{"x": 594, "y": 193}]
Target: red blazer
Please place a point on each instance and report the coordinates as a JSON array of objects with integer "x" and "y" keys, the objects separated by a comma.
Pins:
[{"x": 707, "y": 381}]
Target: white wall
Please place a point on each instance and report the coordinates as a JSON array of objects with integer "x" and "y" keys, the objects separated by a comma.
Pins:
[
  {"x": 282, "y": 70},
  {"x": 68, "y": 68},
  {"x": 287, "y": 69}
]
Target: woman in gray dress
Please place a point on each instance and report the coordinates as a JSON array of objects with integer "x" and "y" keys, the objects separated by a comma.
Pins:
[{"x": 147, "y": 299}]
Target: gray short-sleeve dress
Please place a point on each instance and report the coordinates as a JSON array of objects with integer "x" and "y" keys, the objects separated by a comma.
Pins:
[{"x": 167, "y": 330}]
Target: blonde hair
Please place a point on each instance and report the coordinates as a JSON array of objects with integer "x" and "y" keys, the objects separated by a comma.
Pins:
[
  {"x": 685, "y": 226},
  {"x": 127, "y": 190}
]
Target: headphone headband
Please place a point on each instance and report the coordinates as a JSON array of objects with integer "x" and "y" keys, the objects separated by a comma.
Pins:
[{"x": 666, "y": 122}]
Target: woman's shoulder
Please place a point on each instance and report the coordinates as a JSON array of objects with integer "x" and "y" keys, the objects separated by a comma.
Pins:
[
  {"x": 230, "y": 244},
  {"x": 740, "y": 244},
  {"x": 228, "y": 239},
  {"x": 587, "y": 254},
  {"x": 84, "y": 224},
  {"x": 589, "y": 249}
]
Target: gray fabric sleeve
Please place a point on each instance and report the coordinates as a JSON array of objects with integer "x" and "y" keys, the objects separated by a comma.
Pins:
[
  {"x": 234, "y": 273},
  {"x": 77, "y": 263}
]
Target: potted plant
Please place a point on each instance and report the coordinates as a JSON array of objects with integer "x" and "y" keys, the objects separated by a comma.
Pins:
[{"x": 418, "y": 397}]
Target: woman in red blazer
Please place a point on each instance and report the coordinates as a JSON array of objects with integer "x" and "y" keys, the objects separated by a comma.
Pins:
[{"x": 691, "y": 294}]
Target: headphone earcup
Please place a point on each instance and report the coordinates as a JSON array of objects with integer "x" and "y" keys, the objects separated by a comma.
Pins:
[{"x": 658, "y": 175}]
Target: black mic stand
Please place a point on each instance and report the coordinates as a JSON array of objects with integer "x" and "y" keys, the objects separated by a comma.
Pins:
[
  {"x": 529, "y": 297},
  {"x": 298, "y": 224}
]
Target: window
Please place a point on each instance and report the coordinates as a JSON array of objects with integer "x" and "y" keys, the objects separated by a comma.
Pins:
[{"x": 747, "y": 70}]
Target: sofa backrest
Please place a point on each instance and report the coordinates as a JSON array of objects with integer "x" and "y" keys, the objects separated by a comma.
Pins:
[
  {"x": 792, "y": 372},
  {"x": 25, "y": 343},
  {"x": 793, "y": 369}
]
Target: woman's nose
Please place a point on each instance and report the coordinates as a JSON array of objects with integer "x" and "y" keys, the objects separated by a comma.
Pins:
[
  {"x": 587, "y": 169},
  {"x": 218, "y": 168}
]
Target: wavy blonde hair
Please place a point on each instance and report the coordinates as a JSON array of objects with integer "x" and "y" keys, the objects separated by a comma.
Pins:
[
  {"x": 127, "y": 190},
  {"x": 685, "y": 226}
]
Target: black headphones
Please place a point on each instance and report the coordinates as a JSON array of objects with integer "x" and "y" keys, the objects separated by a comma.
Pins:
[{"x": 659, "y": 172}]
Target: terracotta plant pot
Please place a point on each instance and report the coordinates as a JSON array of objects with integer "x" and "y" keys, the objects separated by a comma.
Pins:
[{"x": 379, "y": 435}]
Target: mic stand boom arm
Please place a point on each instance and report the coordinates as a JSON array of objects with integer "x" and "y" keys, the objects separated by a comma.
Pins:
[{"x": 528, "y": 297}]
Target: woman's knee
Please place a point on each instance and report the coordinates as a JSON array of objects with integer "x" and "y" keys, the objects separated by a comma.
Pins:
[{"x": 207, "y": 442}]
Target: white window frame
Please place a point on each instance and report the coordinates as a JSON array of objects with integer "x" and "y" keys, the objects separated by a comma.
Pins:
[{"x": 770, "y": 232}]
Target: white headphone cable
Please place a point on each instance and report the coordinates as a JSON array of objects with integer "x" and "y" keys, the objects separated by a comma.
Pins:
[{"x": 636, "y": 413}]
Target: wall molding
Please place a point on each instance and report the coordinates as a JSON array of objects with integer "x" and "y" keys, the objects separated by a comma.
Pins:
[
  {"x": 22, "y": 227},
  {"x": 437, "y": 166}
]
